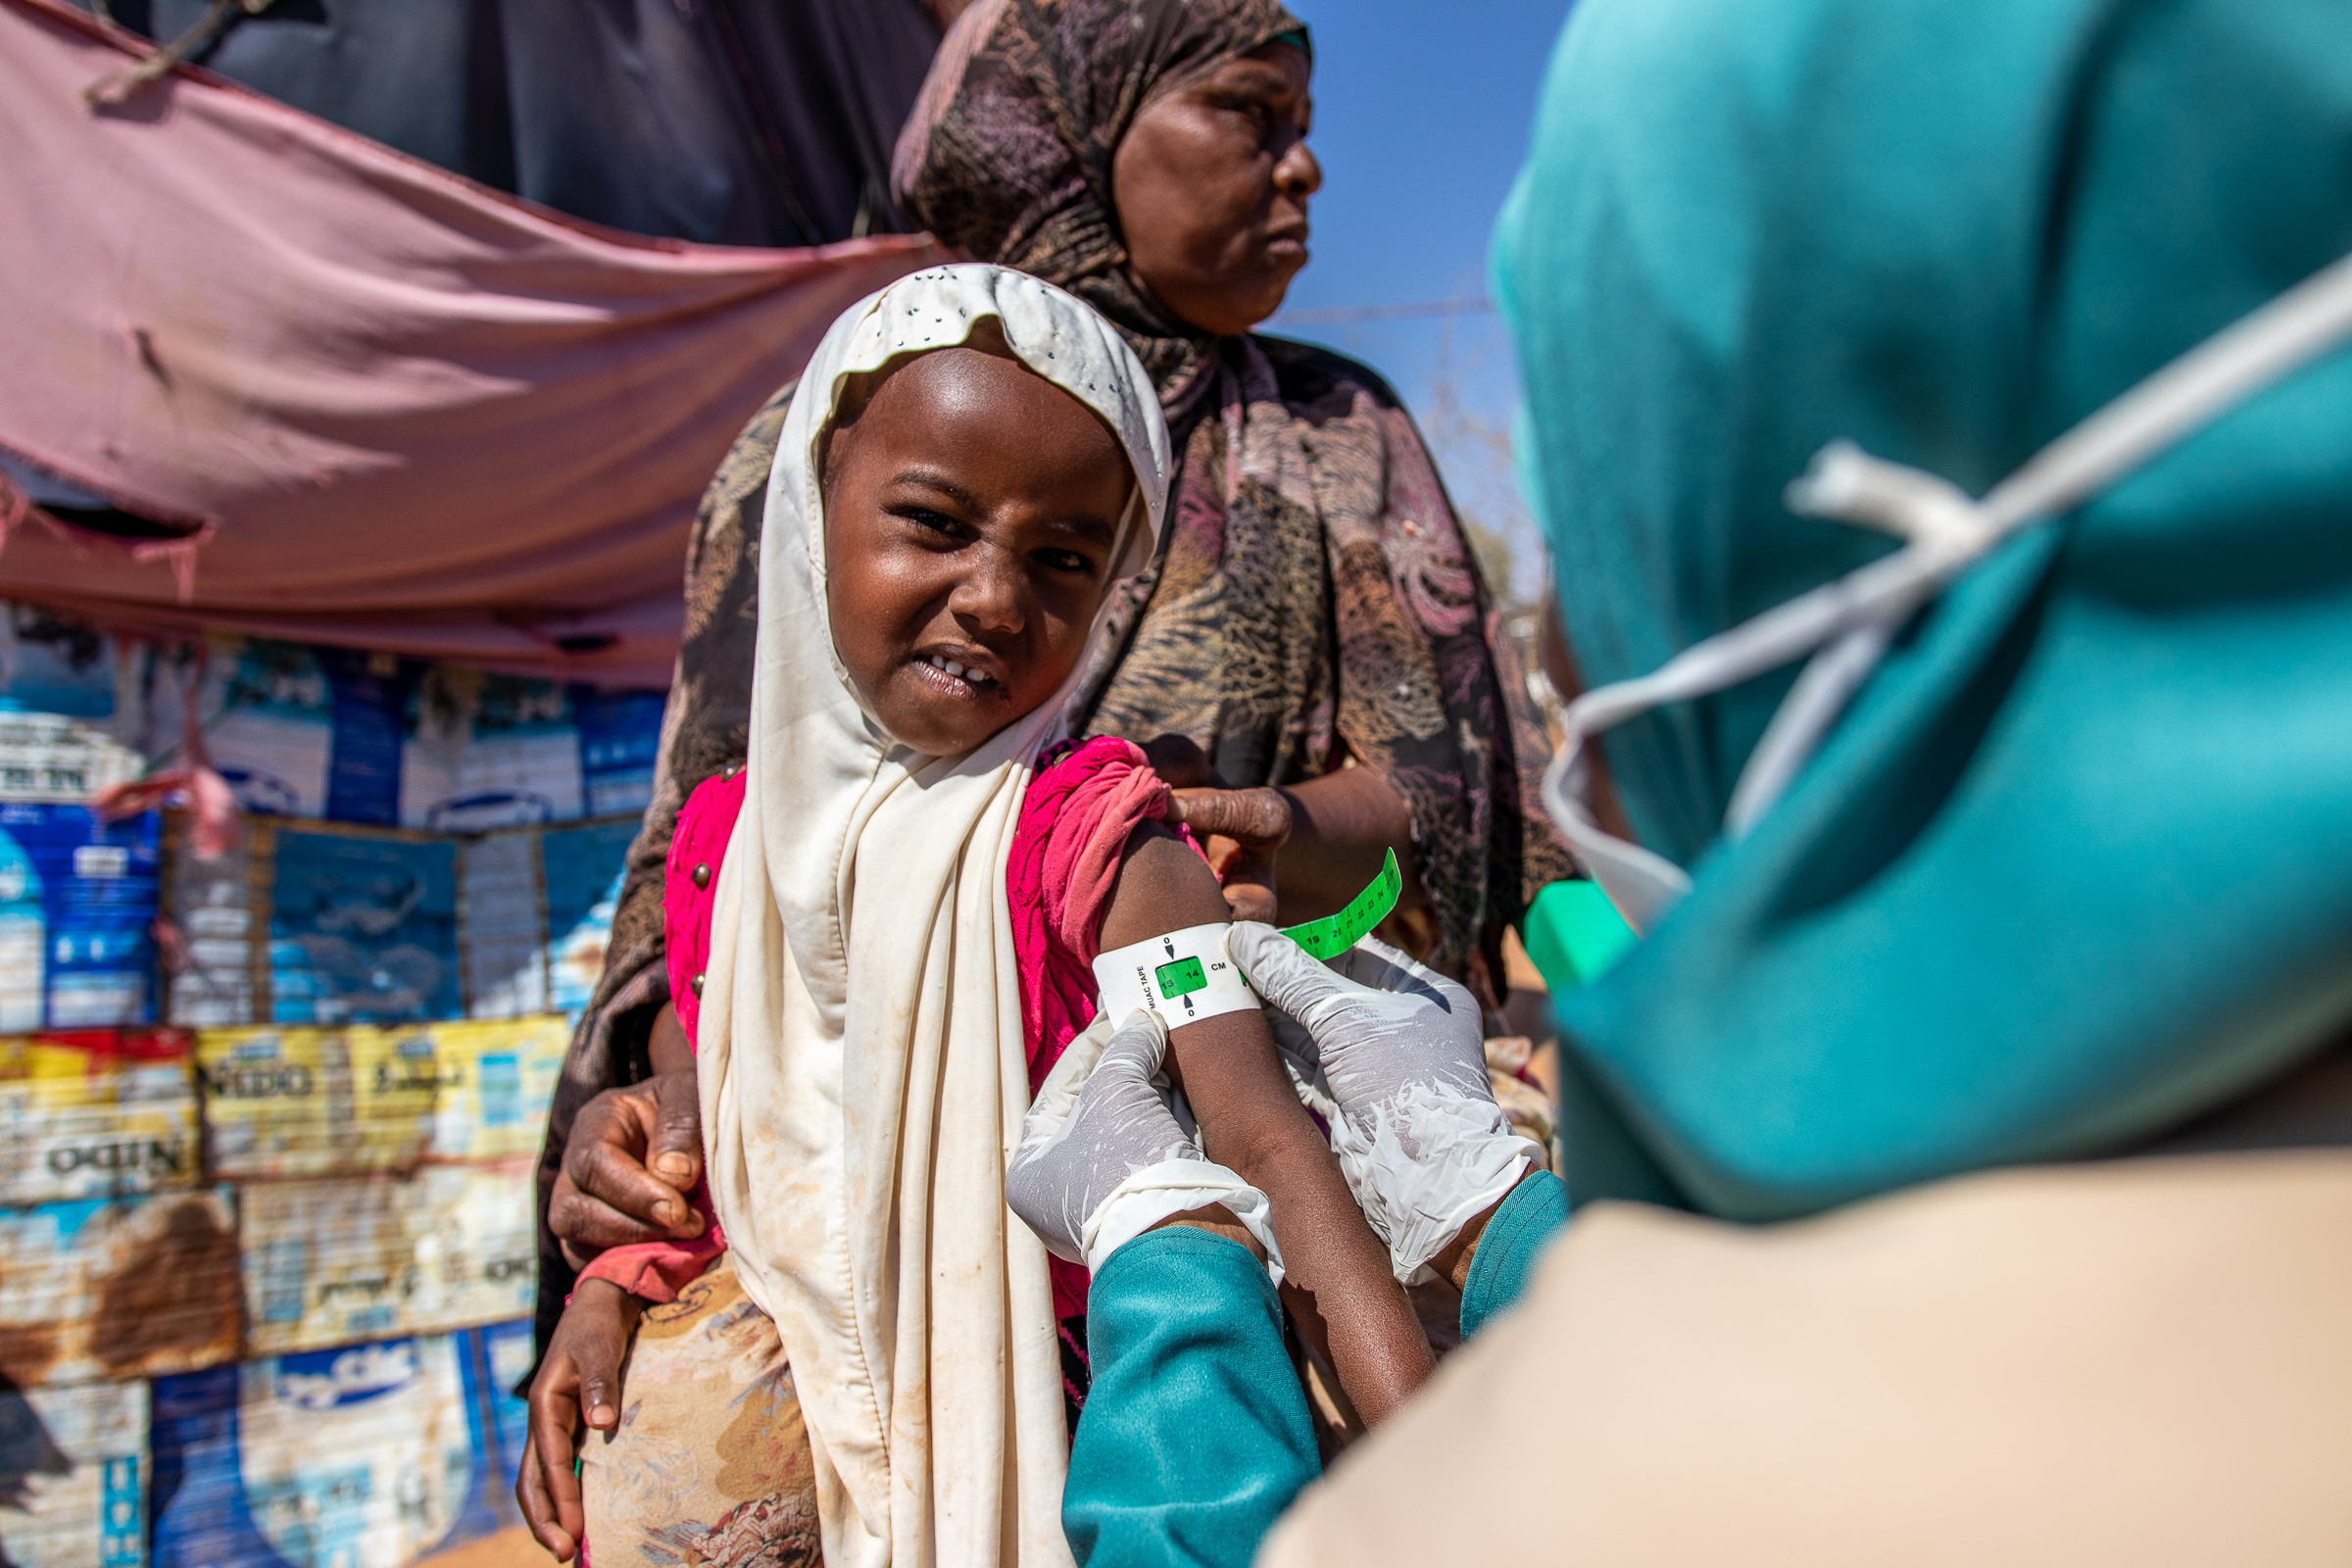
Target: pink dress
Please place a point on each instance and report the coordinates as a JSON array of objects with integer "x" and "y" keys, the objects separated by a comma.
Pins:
[{"x": 1085, "y": 800}]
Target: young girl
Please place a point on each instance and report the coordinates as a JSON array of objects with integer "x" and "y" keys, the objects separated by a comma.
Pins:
[{"x": 900, "y": 929}]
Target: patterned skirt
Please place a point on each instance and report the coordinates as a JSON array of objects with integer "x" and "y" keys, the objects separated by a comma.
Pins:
[
  {"x": 710, "y": 1463},
  {"x": 710, "y": 1467}
]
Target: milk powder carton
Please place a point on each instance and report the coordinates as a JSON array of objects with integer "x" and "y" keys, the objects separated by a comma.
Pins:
[
  {"x": 263, "y": 710},
  {"x": 64, "y": 730},
  {"x": 621, "y": 737},
  {"x": 501, "y": 928},
  {"x": 77, "y": 903},
  {"x": 296, "y": 1103},
  {"x": 72, "y": 1475},
  {"x": 362, "y": 928},
  {"x": 212, "y": 902},
  {"x": 360, "y": 1457},
  {"x": 492, "y": 1084},
  {"x": 485, "y": 751},
  {"x": 96, "y": 1114},
  {"x": 117, "y": 1288},
  {"x": 583, "y": 868},
  {"x": 332, "y": 1261}
]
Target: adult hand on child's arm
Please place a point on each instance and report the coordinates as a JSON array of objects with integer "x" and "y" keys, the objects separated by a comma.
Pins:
[
  {"x": 608, "y": 1192},
  {"x": 1329, "y": 834},
  {"x": 578, "y": 1381},
  {"x": 1425, "y": 1149},
  {"x": 633, "y": 1156}
]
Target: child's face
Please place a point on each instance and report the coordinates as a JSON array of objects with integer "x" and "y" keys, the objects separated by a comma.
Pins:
[{"x": 971, "y": 512}]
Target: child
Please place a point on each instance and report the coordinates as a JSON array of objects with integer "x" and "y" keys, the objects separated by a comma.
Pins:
[{"x": 898, "y": 944}]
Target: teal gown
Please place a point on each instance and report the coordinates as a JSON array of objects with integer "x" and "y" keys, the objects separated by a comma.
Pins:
[{"x": 1195, "y": 1435}]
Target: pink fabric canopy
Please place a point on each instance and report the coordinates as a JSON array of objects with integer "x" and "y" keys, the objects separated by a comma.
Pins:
[{"x": 384, "y": 406}]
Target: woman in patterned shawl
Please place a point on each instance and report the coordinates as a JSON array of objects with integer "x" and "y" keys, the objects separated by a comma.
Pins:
[{"x": 1317, "y": 644}]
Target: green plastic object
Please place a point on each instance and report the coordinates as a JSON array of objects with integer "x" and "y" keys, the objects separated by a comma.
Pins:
[
  {"x": 1180, "y": 978},
  {"x": 1574, "y": 933},
  {"x": 1335, "y": 934}
]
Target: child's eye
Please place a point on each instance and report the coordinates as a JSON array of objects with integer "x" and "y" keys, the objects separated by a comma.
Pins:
[
  {"x": 1066, "y": 560},
  {"x": 938, "y": 522}
]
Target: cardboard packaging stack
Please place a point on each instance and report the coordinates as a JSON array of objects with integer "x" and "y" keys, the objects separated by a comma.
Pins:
[{"x": 265, "y": 1194}]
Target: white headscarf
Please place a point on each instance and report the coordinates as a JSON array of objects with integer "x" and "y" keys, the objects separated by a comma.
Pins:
[{"x": 862, "y": 1059}]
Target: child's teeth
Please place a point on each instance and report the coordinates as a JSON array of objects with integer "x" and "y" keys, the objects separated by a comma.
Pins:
[{"x": 954, "y": 668}]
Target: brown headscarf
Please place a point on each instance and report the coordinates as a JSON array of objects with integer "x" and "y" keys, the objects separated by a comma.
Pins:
[
  {"x": 1317, "y": 603},
  {"x": 1006, "y": 156}
]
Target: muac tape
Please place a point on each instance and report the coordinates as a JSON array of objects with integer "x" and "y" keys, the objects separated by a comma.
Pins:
[
  {"x": 1186, "y": 975},
  {"x": 1183, "y": 976},
  {"x": 1335, "y": 934}
]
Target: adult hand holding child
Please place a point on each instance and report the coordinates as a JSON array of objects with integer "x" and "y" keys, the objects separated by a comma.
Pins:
[
  {"x": 629, "y": 1168},
  {"x": 1329, "y": 834}
]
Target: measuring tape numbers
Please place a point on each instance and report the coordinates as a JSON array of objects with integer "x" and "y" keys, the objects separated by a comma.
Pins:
[
  {"x": 1335, "y": 934},
  {"x": 1186, "y": 975},
  {"x": 1183, "y": 976}
]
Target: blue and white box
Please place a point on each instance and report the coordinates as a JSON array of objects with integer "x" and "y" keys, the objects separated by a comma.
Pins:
[
  {"x": 486, "y": 751},
  {"x": 78, "y": 905},
  {"x": 582, "y": 869},
  {"x": 621, "y": 737},
  {"x": 72, "y": 1475},
  {"x": 363, "y": 929},
  {"x": 364, "y": 1456}
]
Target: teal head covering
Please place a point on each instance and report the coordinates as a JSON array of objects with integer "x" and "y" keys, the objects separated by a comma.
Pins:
[{"x": 2077, "y": 864}]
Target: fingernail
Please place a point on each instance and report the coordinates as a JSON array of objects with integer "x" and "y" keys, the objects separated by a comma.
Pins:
[
  {"x": 694, "y": 1217},
  {"x": 673, "y": 1165},
  {"x": 599, "y": 1416},
  {"x": 666, "y": 1213}
]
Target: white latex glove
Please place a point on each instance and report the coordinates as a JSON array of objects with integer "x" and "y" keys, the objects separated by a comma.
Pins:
[
  {"x": 1102, "y": 1158},
  {"x": 1400, "y": 1052}
]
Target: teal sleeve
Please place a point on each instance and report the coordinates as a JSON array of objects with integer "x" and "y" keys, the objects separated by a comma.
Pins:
[
  {"x": 1523, "y": 1223},
  {"x": 1195, "y": 1436}
]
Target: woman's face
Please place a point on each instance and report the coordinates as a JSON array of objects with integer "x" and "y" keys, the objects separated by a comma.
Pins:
[
  {"x": 1212, "y": 183},
  {"x": 971, "y": 512}
]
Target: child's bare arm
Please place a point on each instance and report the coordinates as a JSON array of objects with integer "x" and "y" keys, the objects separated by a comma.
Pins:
[
  {"x": 667, "y": 1049},
  {"x": 1251, "y": 1121}
]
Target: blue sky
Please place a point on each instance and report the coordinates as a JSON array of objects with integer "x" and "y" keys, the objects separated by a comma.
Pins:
[{"x": 1421, "y": 119}]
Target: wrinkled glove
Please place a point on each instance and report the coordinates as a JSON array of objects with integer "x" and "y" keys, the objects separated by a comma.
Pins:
[
  {"x": 1401, "y": 1055},
  {"x": 1103, "y": 1160}
]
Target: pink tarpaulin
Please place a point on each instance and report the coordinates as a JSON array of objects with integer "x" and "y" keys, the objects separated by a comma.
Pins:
[{"x": 375, "y": 405}]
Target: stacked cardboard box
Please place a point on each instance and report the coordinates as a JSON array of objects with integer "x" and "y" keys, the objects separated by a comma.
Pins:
[
  {"x": 266, "y": 1267},
  {"x": 378, "y": 1452}
]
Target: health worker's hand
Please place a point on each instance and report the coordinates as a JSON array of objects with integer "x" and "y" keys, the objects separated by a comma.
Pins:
[
  {"x": 578, "y": 1383},
  {"x": 1401, "y": 1051},
  {"x": 1103, "y": 1158},
  {"x": 629, "y": 1166}
]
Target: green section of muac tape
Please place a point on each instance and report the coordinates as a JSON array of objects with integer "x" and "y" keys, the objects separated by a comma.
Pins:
[
  {"x": 1180, "y": 979},
  {"x": 1335, "y": 934}
]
